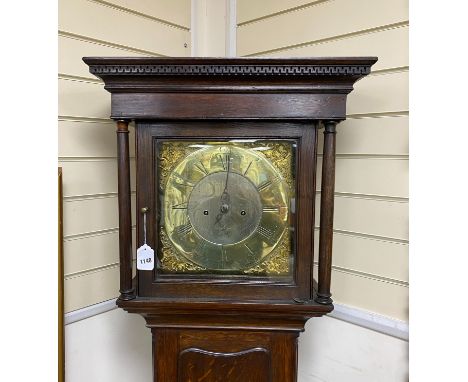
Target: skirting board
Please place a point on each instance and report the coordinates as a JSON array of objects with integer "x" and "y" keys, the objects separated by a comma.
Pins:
[
  {"x": 370, "y": 320},
  {"x": 363, "y": 318}
]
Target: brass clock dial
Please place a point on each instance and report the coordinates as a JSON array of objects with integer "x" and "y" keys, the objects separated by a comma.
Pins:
[{"x": 225, "y": 207}]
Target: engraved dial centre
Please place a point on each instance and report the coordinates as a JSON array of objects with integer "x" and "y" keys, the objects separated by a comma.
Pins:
[{"x": 223, "y": 212}]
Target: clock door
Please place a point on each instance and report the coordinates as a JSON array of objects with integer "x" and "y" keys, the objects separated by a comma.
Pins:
[{"x": 224, "y": 206}]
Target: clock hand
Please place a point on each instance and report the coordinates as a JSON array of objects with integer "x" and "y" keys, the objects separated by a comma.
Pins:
[
  {"x": 225, "y": 195},
  {"x": 223, "y": 210},
  {"x": 218, "y": 218},
  {"x": 228, "y": 170},
  {"x": 225, "y": 198},
  {"x": 222, "y": 224}
]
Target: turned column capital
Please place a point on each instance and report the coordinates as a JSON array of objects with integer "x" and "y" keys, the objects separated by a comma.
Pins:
[
  {"x": 122, "y": 125},
  {"x": 330, "y": 126}
]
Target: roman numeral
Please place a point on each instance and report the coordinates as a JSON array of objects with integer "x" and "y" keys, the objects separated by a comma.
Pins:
[
  {"x": 268, "y": 183},
  {"x": 184, "y": 229},
  {"x": 225, "y": 158},
  {"x": 180, "y": 206},
  {"x": 198, "y": 250},
  {"x": 247, "y": 169},
  {"x": 201, "y": 167},
  {"x": 223, "y": 256},
  {"x": 181, "y": 181},
  {"x": 251, "y": 253},
  {"x": 185, "y": 184},
  {"x": 271, "y": 208},
  {"x": 265, "y": 232}
]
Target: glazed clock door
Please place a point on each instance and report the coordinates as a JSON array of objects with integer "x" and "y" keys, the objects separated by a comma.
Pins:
[{"x": 224, "y": 207}]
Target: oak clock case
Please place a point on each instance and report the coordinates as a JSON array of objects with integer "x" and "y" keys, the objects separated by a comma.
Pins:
[{"x": 226, "y": 162}]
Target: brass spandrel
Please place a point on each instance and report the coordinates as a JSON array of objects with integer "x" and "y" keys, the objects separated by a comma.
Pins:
[
  {"x": 277, "y": 263},
  {"x": 171, "y": 153},
  {"x": 170, "y": 261},
  {"x": 281, "y": 155}
]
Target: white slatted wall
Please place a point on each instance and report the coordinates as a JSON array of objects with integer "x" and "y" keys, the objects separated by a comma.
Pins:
[
  {"x": 87, "y": 142},
  {"x": 370, "y": 264}
]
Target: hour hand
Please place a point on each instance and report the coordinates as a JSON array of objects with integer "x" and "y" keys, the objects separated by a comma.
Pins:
[
  {"x": 218, "y": 218},
  {"x": 223, "y": 210},
  {"x": 225, "y": 198}
]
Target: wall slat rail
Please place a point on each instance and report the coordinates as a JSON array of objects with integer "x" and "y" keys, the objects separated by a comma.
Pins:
[
  {"x": 104, "y": 23},
  {"x": 380, "y": 93},
  {"x": 91, "y": 252},
  {"x": 294, "y": 28},
  {"x": 389, "y": 44},
  {"x": 371, "y": 216},
  {"x": 172, "y": 12},
  {"x": 370, "y": 261},
  {"x": 83, "y": 99},
  {"x": 87, "y": 149},
  {"x": 91, "y": 214},
  {"x": 358, "y": 137},
  {"x": 381, "y": 257},
  {"x": 248, "y": 11},
  {"x": 374, "y": 177},
  {"x": 88, "y": 139},
  {"x": 72, "y": 50},
  {"x": 85, "y": 290},
  {"x": 386, "y": 298},
  {"x": 94, "y": 177}
]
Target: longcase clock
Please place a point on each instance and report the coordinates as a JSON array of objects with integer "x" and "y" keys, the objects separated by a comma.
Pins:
[{"x": 226, "y": 159}]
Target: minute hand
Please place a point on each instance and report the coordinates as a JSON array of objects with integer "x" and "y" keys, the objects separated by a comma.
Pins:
[{"x": 225, "y": 194}]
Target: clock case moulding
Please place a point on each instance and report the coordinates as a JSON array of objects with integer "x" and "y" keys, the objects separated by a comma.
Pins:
[{"x": 212, "y": 98}]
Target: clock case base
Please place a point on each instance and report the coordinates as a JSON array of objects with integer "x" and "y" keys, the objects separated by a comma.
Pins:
[{"x": 224, "y": 341}]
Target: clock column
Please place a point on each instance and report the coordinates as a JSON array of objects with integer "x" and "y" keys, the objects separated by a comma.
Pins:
[
  {"x": 127, "y": 291},
  {"x": 327, "y": 199}
]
